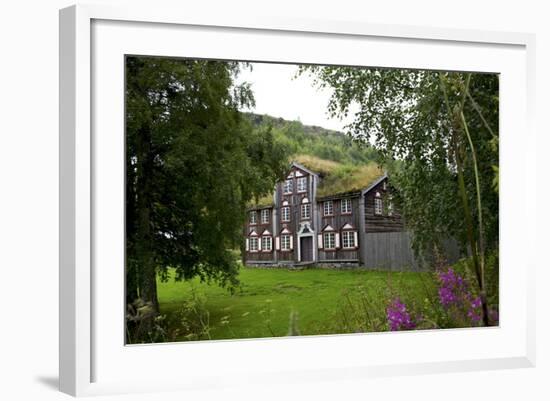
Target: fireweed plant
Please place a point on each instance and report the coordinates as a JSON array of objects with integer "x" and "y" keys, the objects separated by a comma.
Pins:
[
  {"x": 457, "y": 299},
  {"x": 398, "y": 316},
  {"x": 454, "y": 304}
]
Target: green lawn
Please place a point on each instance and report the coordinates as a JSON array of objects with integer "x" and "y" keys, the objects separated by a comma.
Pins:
[{"x": 262, "y": 305}]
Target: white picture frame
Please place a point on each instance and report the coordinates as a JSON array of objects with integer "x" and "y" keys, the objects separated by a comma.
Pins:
[{"x": 91, "y": 363}]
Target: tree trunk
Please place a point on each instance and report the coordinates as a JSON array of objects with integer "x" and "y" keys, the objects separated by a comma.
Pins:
[
  {"x": 145, "y": 261},
  {"x": 455, "y": 127},
  {"x": 131, "y": 268}
]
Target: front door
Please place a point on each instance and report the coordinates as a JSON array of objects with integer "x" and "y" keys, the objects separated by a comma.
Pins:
[{"x": 306, "y": 249}]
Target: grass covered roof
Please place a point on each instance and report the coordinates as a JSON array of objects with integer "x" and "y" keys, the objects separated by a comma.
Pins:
[
  {"x": 334, "y": 178},
  {"x": 337, "y": 178}
]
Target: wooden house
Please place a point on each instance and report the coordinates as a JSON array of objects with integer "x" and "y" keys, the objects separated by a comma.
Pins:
[{"x": 305, "y": 223}]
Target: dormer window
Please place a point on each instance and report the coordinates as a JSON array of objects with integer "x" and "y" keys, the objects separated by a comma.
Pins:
[
  {"x": 286, "y": 242},
  {"x": 252, "y": 242},
  {"x": 265, "y": 216},
  {"x": 329, "y": 239},
  {"x": 349, "y": 237},
  {"x": 328, "y": 208},
  {"x": 267, "y": 243},
  {"x": 301, "y": 184},
  {"x": 253, "y": 218},
  {"x": 287, "y": 186},
  {"x": 378, "y": 204}
]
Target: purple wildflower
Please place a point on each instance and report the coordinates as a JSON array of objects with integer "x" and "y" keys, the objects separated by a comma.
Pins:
[
  {"x": 476, "y": 303},
  {"x": 446, "y": 296},
  {"x": 398, "y": 317},
  {"x": 454, "y": 294}
]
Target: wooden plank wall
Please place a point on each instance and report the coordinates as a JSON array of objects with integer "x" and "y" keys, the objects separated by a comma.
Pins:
[{"x": 393, "y": 251}]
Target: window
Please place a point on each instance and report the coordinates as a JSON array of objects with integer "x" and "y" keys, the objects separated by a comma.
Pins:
[
  {"x": 253, "y": 217},
  {"x": 346, "y": 206},
  {"x": 265, "y": 216},
  {"x": 253, "y": 244},
  {"x": 302, "y": 184},
  {"x": 287, "y": 188},
  {"x": 267, "y": 244},
  {"x": 285, "y": 242},
  {"x": 377, "y": 204},
  {"x": 285, "y": 213},
  {"x": 305, "y": 211},
  {"x": 327, "y": 208},
  {"x": 329, "y": 240},
  {"x": 390, "y": 206},
  {"x": 348, "y": 239}
]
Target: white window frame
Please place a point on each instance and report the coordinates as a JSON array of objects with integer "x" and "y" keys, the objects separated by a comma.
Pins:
[
  {"x": 288, "y": 186},
  {"x": 301, "y": 184},
  {"x": 253, "y": 240},
  {"x": 327, "y": 238},
  {"x": 285, "y": 242},
  {"x": 346, "y": 202},
  {"x": 267, "y": 243},
  {"x": 305, "y": 207},
  {"x": 331, "y": 207},
  {"x": 253, "y": 218},
  {"x": 350, "y": 236},
  {"x": 264, "y": 213},
  {"x": 378, "y": 205},
  {"x": 287, "y": 210}
]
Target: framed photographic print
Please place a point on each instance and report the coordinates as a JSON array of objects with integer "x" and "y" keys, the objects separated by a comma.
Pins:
[{"x": 270, "y": 198}]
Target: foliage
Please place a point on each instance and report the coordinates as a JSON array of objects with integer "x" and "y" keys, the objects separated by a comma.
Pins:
[
  {"x": 344, "y": 165},
  {"x": 403, "y": 113},
  {"x": 194, "y": 318},
  {"x": 453, "y": 302},
  {"x": 301, "y": 139},
  {"x": 464, "y": 268},
  {"x": 436, "y": 132},
  {"x": 457, "y": 299},
  {"x": 192, "y": 162},
  {"x": 137, "y": 314}
]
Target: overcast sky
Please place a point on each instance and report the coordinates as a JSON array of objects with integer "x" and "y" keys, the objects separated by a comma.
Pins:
[{"x": 279, "y": 94}]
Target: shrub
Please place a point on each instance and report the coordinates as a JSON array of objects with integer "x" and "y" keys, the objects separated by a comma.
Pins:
[
  {"x": 194, "y": 318},
  {"x": 138, "y": 316}
]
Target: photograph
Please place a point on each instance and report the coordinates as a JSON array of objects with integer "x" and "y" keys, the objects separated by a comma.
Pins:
[{"x": 267, "y": 199}]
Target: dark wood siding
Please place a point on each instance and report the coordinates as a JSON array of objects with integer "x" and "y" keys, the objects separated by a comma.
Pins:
[
  {"x": 384, "y": 222},
  {"x": 337, "y": 221},
  {"x": 260, "y": 228},
  {"x": 294, "y": 203}
]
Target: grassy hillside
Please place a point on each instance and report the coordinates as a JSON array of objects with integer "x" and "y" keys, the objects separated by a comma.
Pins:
[
  {"x": 343, "y": 164},
  {"x": 315, "y": 141}
]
